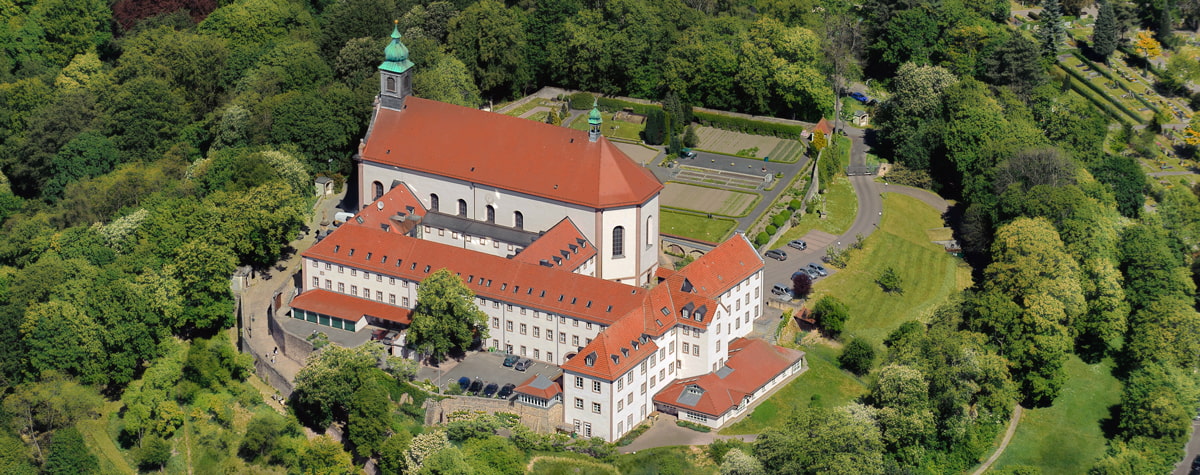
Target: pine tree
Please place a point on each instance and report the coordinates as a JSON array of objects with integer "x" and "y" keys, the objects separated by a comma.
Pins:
[
  {"x": 1104, "y": 37},
  {"x": 1051, "y": 34}
]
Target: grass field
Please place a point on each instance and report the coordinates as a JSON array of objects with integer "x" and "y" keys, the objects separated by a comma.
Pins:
[
  {"x": 929, "y": 274},
  {"x": 1066, "y": 438},
  {"x": 100, "y": 443},
  {"x": 840, "y": 203},
  {"x": 823, "y": 377},
  {"x": 528, "y": 106},
  {"x": 708, "y": 200},
  {"x": 695, "y": 226},
  {"x": 677, "y": 460},
  {"x": 612, "y": 128},
  {"x": 564, "y": 466}
]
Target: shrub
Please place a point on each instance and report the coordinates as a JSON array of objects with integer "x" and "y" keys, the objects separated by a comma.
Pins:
[
  {"x": 889, "y": 280},
  {"x": 831, "y": 314},
  {"x": 582, "y": 101},
  {"x": 780, "y": 219},
  {"x": 795, "y": 205},
  {"x": 694, "y": 426},
  {"x": 750, "y": 126},
  {"x": 801, "y": 285},
  {"x": 858, "y": 356},
  {"x": 771, "y": 229},
  {"x": 762, "y": 238}
]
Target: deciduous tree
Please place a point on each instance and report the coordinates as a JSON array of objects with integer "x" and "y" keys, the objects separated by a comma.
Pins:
[
  {"x": 445, "y": 318},
  {"x": 831, "y": 315}
]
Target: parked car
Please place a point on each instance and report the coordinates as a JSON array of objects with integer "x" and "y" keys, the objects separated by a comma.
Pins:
[
  {"x": 776, "y": 254},
  {"x": 812, "y": 273},
  {"x": 687, "y": 153},
  {"x": 523, "y": 364},
  {"x": 860, "y": 97},
  {"x": 464, "y": 383},
  {"x": 506, "y": 391},
  {"x": 490, "y": 389},
  {"x": 781, "y": 289},
  {"x": 819, "y": 268},
  {"x": 476, "y": 385},
  {"x": 798, "y": 244},
  {"x": 510, "y": 360}
]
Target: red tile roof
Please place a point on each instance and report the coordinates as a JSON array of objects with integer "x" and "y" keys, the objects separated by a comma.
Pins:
[
  {"x": 753, "y": 363},
  {"x": 723, "y": 267},
  {"x": 618, "y": 340},
  {"x": 565, "y": 242},
  {"x": 824, "y": 127},
  {"x": 501, "y": 151},
  {"x": 348, "y": 307},
  {"x": 397, "y": 200},
  {"x": 552, "y": 389},
  {"x": 492, "y": 277}
]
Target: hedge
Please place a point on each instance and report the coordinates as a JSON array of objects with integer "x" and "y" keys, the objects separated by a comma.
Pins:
[
  {"x": 779, "y": 219},
  {"x": 761, "y": 238},
  {"x": 1104, "y": 104},
  {"x": 771, "y": 229},
  {"x": 1106, "y": 73},
  {"x": 582, "y": 101},
  {"x": 611, "y": 105},
  {"x": 756, "y": 127}
]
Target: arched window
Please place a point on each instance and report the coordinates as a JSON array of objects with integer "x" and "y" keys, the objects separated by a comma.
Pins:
[
  {"x": 518, "y": 220},
  {"x": 462, "y": 207},
  {"x": 649, "y": 230},
  {"x": 391, "y": 84},
  {"x": 433, "y": 202},
  {"x": 618, "y": 244},
  {"x": 378, "y": 189},
  {"x": 491, "y": 214}
]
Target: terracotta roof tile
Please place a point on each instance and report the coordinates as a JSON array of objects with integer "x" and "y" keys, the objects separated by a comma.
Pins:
[
  {"x": 498, "y": 150},
  {"x": 565, "y": 242},
  {"x": 397, "y": 200},
  {"x": 753, "y": 362},
  {"x": 348, "y": 307},
  {"x": 549, "y": 388},
  {"x": 824, "y": 127},
  {"x": 723, "y": 267},
  {"x": 617, "y": 340},
  {"x": 496, "y": 278}
]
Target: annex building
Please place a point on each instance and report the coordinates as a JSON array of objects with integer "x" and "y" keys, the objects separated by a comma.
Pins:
[{"x": 555, "y": 231}]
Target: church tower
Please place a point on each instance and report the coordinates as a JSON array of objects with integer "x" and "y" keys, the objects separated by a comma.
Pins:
[
  {"x": 594, "y": 121},
  {"x": 395, "y": 74}
]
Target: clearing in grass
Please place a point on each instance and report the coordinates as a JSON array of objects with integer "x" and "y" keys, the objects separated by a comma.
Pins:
[{"x": 1067, "y": 438}]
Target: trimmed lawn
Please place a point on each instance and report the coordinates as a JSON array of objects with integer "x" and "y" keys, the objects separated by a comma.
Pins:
[
  {"x": 842, "y": 206},
  {"x": 695, "y": 226},
  {"x": 612, "y": 128},
  {"x": 823, "y": 377},
  {"x": 929, "y": 274},
  {"x": 1066, "y": 438}
]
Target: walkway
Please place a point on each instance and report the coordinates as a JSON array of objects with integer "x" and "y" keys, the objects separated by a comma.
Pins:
[
  {"x": 1012, "y": 428},
  {"x": 665, "y": 433}
]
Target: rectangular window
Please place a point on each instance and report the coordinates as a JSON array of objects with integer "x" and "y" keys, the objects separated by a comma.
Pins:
[
  {"x": 392, "y": 299},
  {"x": 579, "y": 382},
  {"x": 620, "y": 384},
  {"x": 366, "y": 293},
  {"x": 629, "y": 401},
  {"x": 620, "y": 405},
  {"x": 341, "y": 270},
  {"x": 404, "y": 284},
  {"x": 508, "y": 349},
  {"x": 643, "y": 367},
  {"x": 353, "y": 290},
  {"x": 367, "y": 275},
  {"x": 378, "y": 295},
  {"x": 328, "y": 284},
  {"x": 549, "y": 335},
  {"x": 316, "y": 282},
  {"x": 587, "y": 429},
  {"x": 522, "y": 350},
  {"x": 508, "y": 325},
  {"x": 522, "y": 310},
  {"x": 643, "y": 390},
  {"x": 341, "y": 287},
  {"x": 378, "y": 278},
  {"x": 595, "y": 386},
  {"x": 496, "y": 304},
  {"x": 562, "y": 338},
  {"x": 574, "y": 322},
  {"x": 508, "y": 308},
  {"x": 537, "y": 332},
  {"x": 391, "y": 281},
  {"x": 353, "y": 272},
  {"x": 578, "y": 403},
  {"x": 537, "y": 354},
  {"x": 589, "y": 325},
  {"x": 524, "y": 328},
  {"x": 662, "y": 375},
  {"x": 596, "y": 407},
  {"x": 652, "y": 380},
  {"x": 495, "y": 322},
  {"x": 575, "y": 340},
  {"x": 686, "y": 347},
  {"x": 404, "y": 301},
  {"x": 328, "y": 266},
  {"x": 550, "y": 356}
]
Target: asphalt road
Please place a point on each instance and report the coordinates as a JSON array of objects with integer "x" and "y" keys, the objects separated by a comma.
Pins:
[{"x": 1190, "y": 452}]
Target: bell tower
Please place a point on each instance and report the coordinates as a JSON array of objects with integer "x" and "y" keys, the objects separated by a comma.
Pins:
[
  {"x": 594, "y": 121},
  {"x": 395, "y": 74}
]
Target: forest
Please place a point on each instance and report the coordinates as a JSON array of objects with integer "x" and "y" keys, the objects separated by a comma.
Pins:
[{"x": 148, "y": 148}]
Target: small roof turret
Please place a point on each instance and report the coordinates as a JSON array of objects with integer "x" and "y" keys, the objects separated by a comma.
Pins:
[
  {"x": 396, "y": 54},
  {"x": 594, "y": 116}
]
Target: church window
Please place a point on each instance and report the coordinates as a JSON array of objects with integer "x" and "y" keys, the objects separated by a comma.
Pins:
[
  {"x": 462, "y": 207},
  {"x": 391, "y": 84},
  {"x": 491, "y": 214},
  {"x": 518, "y": 220},
  {"x": 649, "y": 231},
  {"x": 433, "y": 202},
  {"x": 377, "y": 187},
  {"x": 618, "y": 244}
]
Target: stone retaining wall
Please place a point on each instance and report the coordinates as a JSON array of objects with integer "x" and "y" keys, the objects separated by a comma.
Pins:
[{"x": 536, "y": 418}]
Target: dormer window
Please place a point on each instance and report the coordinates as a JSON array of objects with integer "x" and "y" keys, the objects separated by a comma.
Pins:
[
  {"x": 426, "y": 269},
  {"x": 625, "y": 351},
  {"x": 352, "y": 251},
  {"x": 615, "y": 359},
  {"x": 369, "y": 256},
  {"x": 609, "y": 309},
  {"x": 665, "y": 311},
  {"x": 383, "y": 260},
  {"x": 337, "y": 248},
  {"x": 590, "y": 359},
  {"x": 634, "y": 344},
  {"x": 589, "y": 304},
  {"x": 573, "y": 299},
  {"x": 503, "y": 286}
]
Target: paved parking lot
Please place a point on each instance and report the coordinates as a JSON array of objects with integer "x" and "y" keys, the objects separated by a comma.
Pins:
[{"x": 488, "y": 367}]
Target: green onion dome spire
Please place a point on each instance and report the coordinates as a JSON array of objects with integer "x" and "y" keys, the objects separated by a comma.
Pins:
[
  {"x": 594, "y": 116},
  {"x": 396, "y": 54}
]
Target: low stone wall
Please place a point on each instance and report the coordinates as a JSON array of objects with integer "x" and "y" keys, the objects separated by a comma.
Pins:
[{"x": 536, "y": 418}]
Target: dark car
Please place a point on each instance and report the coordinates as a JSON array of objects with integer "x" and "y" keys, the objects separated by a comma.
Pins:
[
  {"x": 860, "y": 97},
  {"x": 510, "y": 360},
  {"x": 476, "y": 385},
  {"x": 819, "y": 268},
  {"x": 490, "y": 389},
  {"x": 687, "y": 153},
  {"x": 798, "y": 244},
  {"x": 506, "y": 391},
  {"x": 523, "y": 365},
  {"x": 464, "y": 383},
  {"x": 776, "y": 254}
]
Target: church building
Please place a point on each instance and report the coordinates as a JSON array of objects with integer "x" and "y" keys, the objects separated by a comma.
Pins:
[{"x": 555, "y": 232}]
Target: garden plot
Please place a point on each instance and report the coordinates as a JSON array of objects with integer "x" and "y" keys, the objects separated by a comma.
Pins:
[
  {"x": 719, "y": 178},
  {"x": 724, "y": 141},
  {"x": 708, "y": 200}
]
